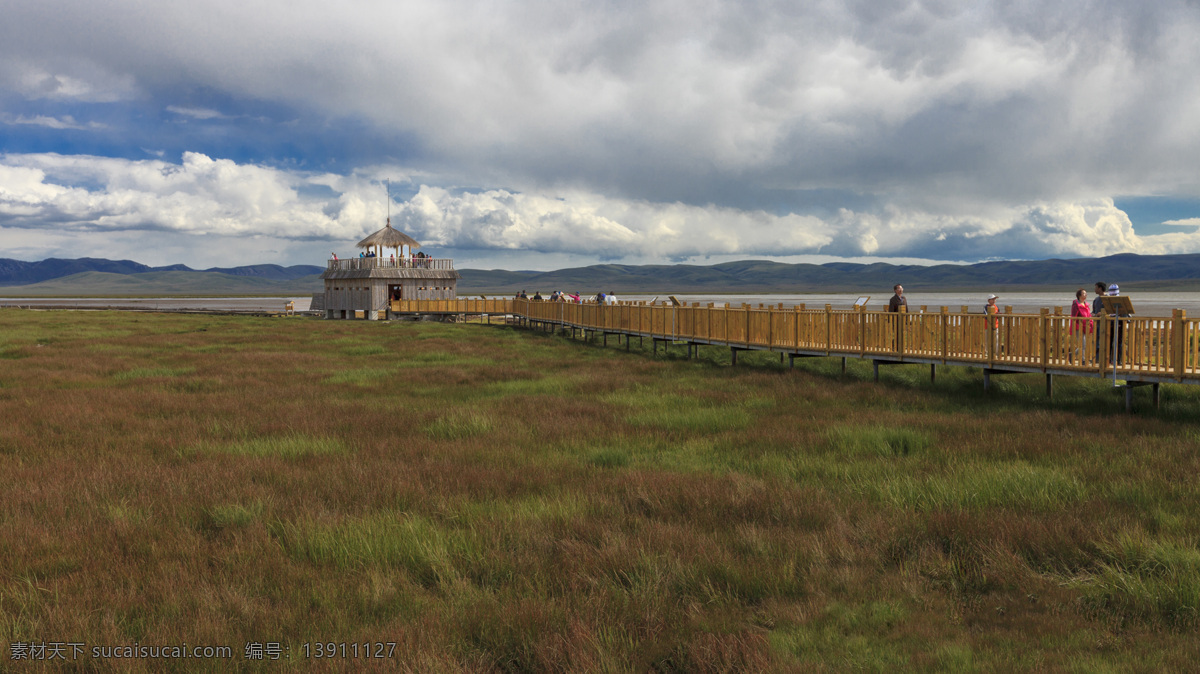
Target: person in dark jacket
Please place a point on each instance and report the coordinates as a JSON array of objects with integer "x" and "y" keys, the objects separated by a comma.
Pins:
[{"x": 898, "y": 300}]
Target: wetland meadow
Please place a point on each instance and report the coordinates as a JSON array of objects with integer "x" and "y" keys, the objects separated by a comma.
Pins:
[{"x": 492, "y": 499}]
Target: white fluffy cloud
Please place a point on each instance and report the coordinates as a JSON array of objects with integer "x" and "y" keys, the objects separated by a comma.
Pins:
[
  {"x": 201, "y": 195},
  {"x": 586, "y": 223},
  {"x": 84, "y": 195}
]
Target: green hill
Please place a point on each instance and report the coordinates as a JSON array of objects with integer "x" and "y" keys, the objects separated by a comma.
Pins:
[{"x": 162, "y": 283}]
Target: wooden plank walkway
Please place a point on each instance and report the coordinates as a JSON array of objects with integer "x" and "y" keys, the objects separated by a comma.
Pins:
[{"x": 1146, "y": 350}]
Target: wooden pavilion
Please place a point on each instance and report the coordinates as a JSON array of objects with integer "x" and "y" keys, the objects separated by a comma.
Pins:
[{"x": 369, "y": 283}]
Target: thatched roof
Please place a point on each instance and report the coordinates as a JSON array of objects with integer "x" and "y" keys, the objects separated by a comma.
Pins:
[{"x": 389, "y": 238}]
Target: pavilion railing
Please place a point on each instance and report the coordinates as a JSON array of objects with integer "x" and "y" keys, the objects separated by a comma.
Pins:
[{"x": 360, "y": 263}]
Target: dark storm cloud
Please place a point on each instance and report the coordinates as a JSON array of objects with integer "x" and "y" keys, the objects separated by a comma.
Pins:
[{"x": 878, "y": 128}]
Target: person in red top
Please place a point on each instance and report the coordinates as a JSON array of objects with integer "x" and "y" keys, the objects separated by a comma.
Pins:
[
  {"x": 1079, "y": 311},
  {"x": 991, "y": 309}
]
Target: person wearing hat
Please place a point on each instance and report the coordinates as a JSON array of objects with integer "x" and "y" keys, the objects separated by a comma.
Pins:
[
  {"x": 992, "y": 310},
  {"x": 1115, "y": 291},
  {"x": 1098, "y": 310}
]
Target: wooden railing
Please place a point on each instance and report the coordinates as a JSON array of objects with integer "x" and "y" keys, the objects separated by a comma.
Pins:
[
  {"x": 1157, "y": 348},
  {"x": 357, "y": 263}
]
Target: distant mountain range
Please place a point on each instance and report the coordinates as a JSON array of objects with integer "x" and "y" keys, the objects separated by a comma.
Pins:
[
  {"x": 1162, "y": 272},
  {"x": 99, "y": 277},
  {"x": 16, "y": 272}
]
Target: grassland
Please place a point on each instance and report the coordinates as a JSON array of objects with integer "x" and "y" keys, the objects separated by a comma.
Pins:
[{"x": 492, "y": 499}]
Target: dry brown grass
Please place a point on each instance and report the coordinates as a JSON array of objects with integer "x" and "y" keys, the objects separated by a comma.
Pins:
[{"x": 496, "y": 500}]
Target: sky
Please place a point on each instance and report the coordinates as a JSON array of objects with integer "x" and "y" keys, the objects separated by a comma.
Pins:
[{"x": 541, "y": 134}]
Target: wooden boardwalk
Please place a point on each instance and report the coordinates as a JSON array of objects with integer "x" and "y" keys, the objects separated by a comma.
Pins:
[{"x": 1148, "y": 351}]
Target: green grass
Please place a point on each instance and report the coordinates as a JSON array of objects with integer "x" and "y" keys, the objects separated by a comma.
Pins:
[
  {"x": 855, "y": 638},
  {"x": 426, "y": 552},
  {"x": 1015, "y": 485},
  {"x": 367, "y": 376},
  {"x": 365, "y": 350},
  {"x": 459, "y": 425},
  {"x": 153, "y": 373},
  {"x": 235, "y": 515},
  {"x": 492, "y": 499},
  {"x": 285, "y": 447},
  {"x": 876, "y": 441}
]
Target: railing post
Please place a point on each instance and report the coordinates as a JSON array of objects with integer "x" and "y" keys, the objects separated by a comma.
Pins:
[
  {"x": 1059, "y": 324},
  {"x": 862, "y": 331},
  {"x": 1103, "y": 328},
  {"x": 1007, "y": 336},
  {"x": 1043, "y": 324},
  {"x": 1178, "y": 342},
  {"x": 945, "y": 334},
  {"x": 796, "y": 331},
  {"x": 900, "y": 331},
  {"x": 991, "y": 334},
  {"x": 828, "y": 329}
]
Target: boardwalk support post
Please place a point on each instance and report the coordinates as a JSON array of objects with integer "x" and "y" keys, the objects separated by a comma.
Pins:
[
  {"x": 988, "y": 372},
  {"x": 1130, "y": 385},
  {"x": 1050, "y": 385},
  {"x": 876, "y": 363}
]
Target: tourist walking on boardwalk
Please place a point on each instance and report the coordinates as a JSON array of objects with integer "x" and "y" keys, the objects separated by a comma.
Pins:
[
  {"x": 1098, "y": 308},
  {"x": 993, "y": 321},
  {"x": 992, "y": 310},
  {"x": 1080, "y": 328},
  {"x": 1119, "y": 319},
  {"x": 898, "y": 300}
]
